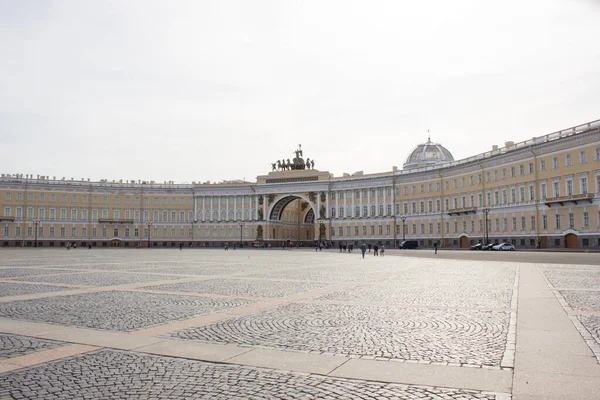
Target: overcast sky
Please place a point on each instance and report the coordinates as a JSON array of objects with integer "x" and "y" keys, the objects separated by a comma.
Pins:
[{"x": 214, "y": 90}]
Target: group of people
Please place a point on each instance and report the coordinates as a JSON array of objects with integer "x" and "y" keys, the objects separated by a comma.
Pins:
[{"x": 376, "y": 249}]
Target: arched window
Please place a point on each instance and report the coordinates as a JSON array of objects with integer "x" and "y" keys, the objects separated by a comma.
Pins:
[
  {"x": 246, "y": 214},
  {"x": 223, "y": 215},
  {"x": 230, "y": 214},
  {"x": 215, "y": 215},
  {"x": 199, "y": 215},
  {"x": 239, "y": 214}
]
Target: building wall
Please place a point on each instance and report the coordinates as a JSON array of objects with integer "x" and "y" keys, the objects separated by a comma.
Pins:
[{"x": 535, "y": 194}]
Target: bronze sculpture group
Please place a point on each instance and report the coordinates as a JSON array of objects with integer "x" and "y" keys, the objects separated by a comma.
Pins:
[{"x": 296, "y": 164}]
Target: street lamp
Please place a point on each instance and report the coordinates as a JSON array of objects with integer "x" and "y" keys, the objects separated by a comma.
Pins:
[
  {"x": 36, "y": 222},
  {"x": 486, "y": 212},
  {"x": 148, "y": 224},
  {"x": 403, "y": 218},
  {"x": 241, "y": 225}
]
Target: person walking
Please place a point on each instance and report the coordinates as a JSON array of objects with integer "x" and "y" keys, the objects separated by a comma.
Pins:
[
  {"x": 363, "y": 249},
  {"x": 382, "y": 250},
  {"x": 435, "y": 247},
  {"x": 376, "y": 250},
  {"x": 369, "y": 247}
]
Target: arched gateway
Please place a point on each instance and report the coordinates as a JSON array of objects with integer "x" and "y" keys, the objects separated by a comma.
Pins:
[{"x": 291, "y": 217}]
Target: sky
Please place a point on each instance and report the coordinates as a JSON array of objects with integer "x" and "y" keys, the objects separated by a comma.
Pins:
[{"x": 218, "y": 90}]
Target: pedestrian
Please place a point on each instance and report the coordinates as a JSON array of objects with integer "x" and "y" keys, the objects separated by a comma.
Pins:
[
  {"x": 320, "y": 246},
  {"x": 90, "y": 246},
  {"x": 226, "y": 246},
  {"x": 435, "y": 245},
  {"x": 369, "y": 247},
  {"x": 340, "y": 245},
  {"x": 180, "y": 246},
  {"x": 375, "y": 250},
  {"x": 363, "y": 249},
  {"x": 74, "y": 246},
  {"x": 382, "y": 250}
]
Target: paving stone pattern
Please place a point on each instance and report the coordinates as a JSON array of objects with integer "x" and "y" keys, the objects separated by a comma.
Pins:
[
  {"x": 99, "y": 278},
  {"x": 573, "y": 278},
  {"x": 16, "y": 272},
  {"x": 17, "y": 289},
  {"x": 242, "y": 287},
  {"x": 386, "y": 293},
  {"x": 114, "y": 310},
  {"x": 582, "y": 300},
  {"x": 17, "y": 345},
  {"x": 125, "y": 375},
  {"x": 466, "y": 337}
]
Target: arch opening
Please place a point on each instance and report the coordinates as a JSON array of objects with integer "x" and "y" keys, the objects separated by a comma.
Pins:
[{"x": 292, "y": 219}]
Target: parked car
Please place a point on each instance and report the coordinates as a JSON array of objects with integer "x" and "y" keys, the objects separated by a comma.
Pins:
[
  {"x": 257, "y": 243},
  {"x": 506, "y": 247},
  {"x": 477, "y": 246},
  {"x": 497, "y": 246},
  {"x": 487, "y": 246},
  {"x": 408, "y": 244}
]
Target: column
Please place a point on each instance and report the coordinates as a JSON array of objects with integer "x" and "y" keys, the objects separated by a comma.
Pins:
[
  {"x": 227, "y": 208},
  {"x": 353, "y": 208},
  {"x": 256, "y": 207},
  {"x": 362, "y": 194},
  {"x": 235, "y": 198},
  {"x": 195, "y": 217},
  {"x": 211, "y": 208},
  {"x": 203, "y": 208},
  {"x": 327, "y": 211}
]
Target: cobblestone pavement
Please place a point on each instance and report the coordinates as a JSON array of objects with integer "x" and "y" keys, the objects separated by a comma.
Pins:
[
  {"x": 476, "y": 338},
  {"x": 582, "y": 300},
  {"x": 17, "y": 289},
  {"x": 242, "y": 287},
  {"x": 114, "y": 310},
  {"x": 115, "y": 374},
  {"x": 581, "y": 297},
  {"x": 17, "y": 345},
  {"x": 573, "y": 277},
  {"x": 386, "y": 293},
  {"x": 16, "y": 272},
  {"x": 98, "y": 278}
]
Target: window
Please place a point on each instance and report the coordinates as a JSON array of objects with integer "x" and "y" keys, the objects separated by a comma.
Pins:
[
  {"x": 512, "y": 172},
  {"x": 532, "y": 222},
  {"x": 42, "y": 213},
  {"x": 357, "y": 211},
  {"x": 582, "y": 157},
  {"x": 105, "y": 200},
  {"x": 521, "y": 170},
  {"x": 63, "y": 214},
  {"x": 542, "y": 165},
  {"x": 556, "y": 188},
  {"x": 569, "y": 187},
  {"x": 503, "y": 173},
  {"x": 73, "y": 232},
  {"x": 586, "y": 220},
  {"x": 571, "y": 221},
  {"x": 531, "y": 168},
  {"x": 7, "y": 196},
  {"x": 30, "y": 197},
  {"x": 63, "y": 232},
  {"x": 531, "y": 193},
  {"x": 73, "y": 214},
  {"x": 568, "y": 160},
  {"x": 543, "y": 190},
  {"x": 555, "y": 163},
  {"x": 557, "y": 221},
  {"x": 523, "y": 223},
  {"x": 42, "y": 197},
  {"x": 30, "y": 212},
  {"x": 53, "y": 213},
  {"x": 84, "y": 199},
  {"x": 597, "y": 153},
  {"x": 544, "y": 222},
  {"x": 583, "y": 185},
  {"x": 19, "y": 196}
]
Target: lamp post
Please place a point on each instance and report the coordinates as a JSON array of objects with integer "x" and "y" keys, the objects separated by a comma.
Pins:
[
  {"x": 403, "y": 218},
  {"x": 148, "y": 224},
  {"x": 36, "y": 222},
  {"x": 192, "y": 231},
  {"x": 486, "y": 212},
  {"x": 241, "y": 225}
]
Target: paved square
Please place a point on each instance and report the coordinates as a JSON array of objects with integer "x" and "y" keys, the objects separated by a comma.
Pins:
[
  {"x": 114, "y": 310},
  {"x": 17, "y": 345},
  {"x": 297, "y": 324},
  {"x": 169, "y": 378}
]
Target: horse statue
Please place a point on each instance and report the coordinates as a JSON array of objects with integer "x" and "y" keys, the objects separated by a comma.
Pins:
[
  {"x": 274, "y": 166},
  {"x": 308, "y": 163}
]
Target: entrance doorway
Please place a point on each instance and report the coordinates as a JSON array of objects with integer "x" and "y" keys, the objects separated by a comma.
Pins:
[
  {"x": 115, "y": 243},
  {"x": 464, "y": 242},
  {"x": 571, "y": 241}
]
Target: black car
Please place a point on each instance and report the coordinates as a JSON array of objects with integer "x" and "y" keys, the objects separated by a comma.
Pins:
[
  {"x": 487, "y": 246},
  {"x": 408, "y": 244},
  {"x": 477, "y": 246}
]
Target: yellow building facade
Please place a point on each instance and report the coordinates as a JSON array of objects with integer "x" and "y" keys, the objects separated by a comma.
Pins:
[{"x": 544, "y": 192}]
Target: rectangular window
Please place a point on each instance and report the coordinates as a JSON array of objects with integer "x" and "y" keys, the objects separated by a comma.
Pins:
[
  {"x": 571, "y": 221},
  {"x": 53, "y": 213},
  {"x": 568, "y": 160},
  {"x": 542, "y": 165},
  {"x": 583, "y": 185},
  {"x": 556, "y": 189},
  {"x": 582, "y": 157},
  {"x": 569, "y": 187},
  {"x": 63, "y": 214},
  {"x": 586, "y": 220},
  {"x": 557, "y": 221},
  {"x": 73, "y": 232},
  {"x": 555, "y": 163},
  {"x": 543, "y": 190},
  {"x": 532, "y": 222},
  {"x": 63, "y": 232},
  {"x": 73, "y": 214},
  {"x": 544, "y": 222}
]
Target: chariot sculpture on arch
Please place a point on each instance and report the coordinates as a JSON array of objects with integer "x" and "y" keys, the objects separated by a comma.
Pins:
[{"x": 296, "y": 164}]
